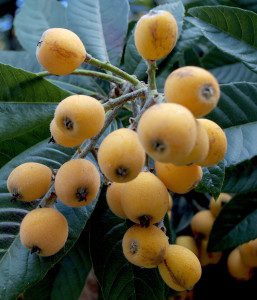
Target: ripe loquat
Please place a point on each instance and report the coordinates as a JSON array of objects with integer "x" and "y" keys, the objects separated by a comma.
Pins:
[
  {"x": 205, "y": 257},
  {"x": 114, "y": 197},
  {"x": 188, "y": 242},
  {"x": 248, "y": 253},
  {"x": 202, "y": 223},
  {"x": 216, "y": 205}
]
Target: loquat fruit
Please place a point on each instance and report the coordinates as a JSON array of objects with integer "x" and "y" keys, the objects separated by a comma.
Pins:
[
  {"x": 80, "y": 117},
  {"x": 216, "y": 205},
  {"x": 202, "y": 223},
  {"x": 77, "y": 182},
  {"x": 156, "y": 34},
  {"x": 44, "y": 230},
  {"x": 193, "y": 87},
  {"x": 167, "y": 132},
  {"x": 179, "y": 179},
  {"x": 121, "y": 155},
  {"x": 217, "y": 143},
  {"x": 181, "y": 268},
  {"x": 188, "y": 242},
  {"x": 205, "y": 257},
  {"x": 60, "y": 51},
  {"x": 248, "y": 253},
  {"x": 145, "y": 199},
  {"x": 145, "y": 247},
  {"x": 29, "y": 181},
  {"x": 236, "y": 266},
  {"x": 114, "y": 197}
]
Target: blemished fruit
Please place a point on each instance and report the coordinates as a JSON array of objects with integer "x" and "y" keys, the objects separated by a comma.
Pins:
[
  {"x": 188, "y": 242},
  {"x": 167, "y": 132},
  {"x": 121, "y": 155},
  {"x": 217, "y": 143},
  {"x": 114, "y": 197},
  {"x": 205, "y": 257},
  {"x": 237, "y": 268},
  {"x": 181, "y": 268},
  {"x": 179, "y": 179},
  {"x": 248, "y": 253},
  {"x": 29, "y": 181},
  {"x": 44, "y": 230},
  {"x": 193, "y": 87},
  {"x": 60, "y": 51},
  {"x": 61, "y": 138},
  {"x": 145, "y": 247},
  {"x": 80, "y": 117},
  {"x": 216, "y": 205},
  {"x": 156, "y": 34},
  {"x": 77, "y": 182},
  {"x": 202, "y": 223},
  {"x": 145, "y": 199}
]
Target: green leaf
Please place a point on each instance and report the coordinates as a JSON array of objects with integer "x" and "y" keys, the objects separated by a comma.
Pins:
[
  {"x": 247, "y": 4},
  {"x": 102, "y": 34},
  {"x": 117, "y": 277},
  {"x": 212, "y": 180},
  {"x": 34, "y": 17},
  {"x": 230, "y": 29},
  {"x": 235, "y": 224}
]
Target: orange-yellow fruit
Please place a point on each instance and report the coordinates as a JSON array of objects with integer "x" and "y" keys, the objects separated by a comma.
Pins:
[
  {"x": 167, "y": 132},
  {"x": 188, "y": 242},
  {"x": 61, "y": 138},
  {"x": 181, "y": 268},
  {"x": 145, "y": 199},
  {"x": 145, "y": 247},
  {"x": 121, "y": 156},
  {"x": 79, "y": 117},
  {"x": 114, "y": 197},
  {"x": 217, "y": 143},
  {"x": 60, "y": 51},
  {"x": 44, "y": 230},
  {"x": 156, "y": 34},
  {"x": 216, "y": 205},
  {"x": 29, "y": 181},
  {"x": 237, "y": 268},
  {"x": 179, "y": 179},
  {"x": 193, "y": 87},
  {"x": 248, "y": 253},
  {"x": 205, "y": 257},
  {"x": 77, "y": 182},
  {"x": 202, "y": 223}
]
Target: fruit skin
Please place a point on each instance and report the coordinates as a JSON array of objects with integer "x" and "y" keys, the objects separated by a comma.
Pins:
[
  {"x": 156, "y": 34},
  {"x": 201, "y": 94},
  {"x": 61, "y": 138},
  {"x": 205, "y": 257},
  {"x": 179, "y": 179},
  {"x": 237, "y": 268},
  {"x": 45, "y": 229},
  {"x": 145, "y": 247},
  {"x": 248, "y": 253},
  {"x": 121, "y": 155},
  {"x": 216, "y": 205},
  {"x": 29, "y": 181},
  {"x": 181, "y": 268},
  {"x": 167, "y": 132},
  {"x": 145, "y": 199},
  {"x": 188, "y": 242},
  {"x": 77, "y": 182},
  {"x": 80, "y": 117},
  {"x": 217, "y": 143},
  {"x": 60, "y": 51},
  {"x": 114, "y": 197},
  {"x": 202, "y": 223}
]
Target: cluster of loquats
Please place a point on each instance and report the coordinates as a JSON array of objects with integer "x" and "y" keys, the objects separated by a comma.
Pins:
[{"x": 171, "y": 133}]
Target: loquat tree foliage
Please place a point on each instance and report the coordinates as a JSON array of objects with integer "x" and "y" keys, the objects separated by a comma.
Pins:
[{"x": 128, "y": 147}]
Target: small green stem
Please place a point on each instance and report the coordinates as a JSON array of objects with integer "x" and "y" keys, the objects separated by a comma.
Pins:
[
  {"x": 111, "y": 103},
  {"x": 100, "y": 75},
  {"x": 151, "y": 71},
  {"x": 109, "y": 67}
]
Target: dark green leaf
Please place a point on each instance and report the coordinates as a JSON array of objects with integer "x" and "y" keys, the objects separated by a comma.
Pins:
[{"x": 236, "y": 223}]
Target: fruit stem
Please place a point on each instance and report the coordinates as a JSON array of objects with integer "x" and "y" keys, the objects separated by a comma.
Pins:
[
  {"x": 151, "y": 71},
  {"x": 82, "y": 72},
  {"x": 124, "y": 98},
  {"x": 109, "y": 67}
]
